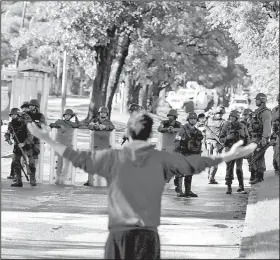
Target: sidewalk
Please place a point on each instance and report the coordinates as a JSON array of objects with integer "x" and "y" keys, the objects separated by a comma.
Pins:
[{"x": 260, "y": 239}]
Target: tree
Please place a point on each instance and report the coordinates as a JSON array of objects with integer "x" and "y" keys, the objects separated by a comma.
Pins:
[{"x": 254, "y": 26}]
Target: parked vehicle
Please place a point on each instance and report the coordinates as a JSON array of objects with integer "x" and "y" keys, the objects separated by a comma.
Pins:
[{"x": 239, "y": 103}]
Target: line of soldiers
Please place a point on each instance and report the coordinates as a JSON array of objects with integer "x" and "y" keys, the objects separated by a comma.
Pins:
[
  {"x": 23, "y": 140},
  {"x": 214, "y": 133}
]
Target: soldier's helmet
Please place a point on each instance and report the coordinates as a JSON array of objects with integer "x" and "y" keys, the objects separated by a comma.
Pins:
[
  {"x": 34, "y": 102},
  {"x": 172, "y": 112},
  {"x": 14, "y": 111},
  {"x": 68, "y": 111},
  {"x": 220, "y": 110},
  {"x": 133, "y": 107},
  {"x": 103, "y": 110},
  {"x": 234, "y": 113},
  {"x": 201, "y": 115},
  {"x": 261, "y": 96},
  {"x": 247, "y": 111},
  {"x": 192, "y": 115},
  {"x": 25, "y": 104}
]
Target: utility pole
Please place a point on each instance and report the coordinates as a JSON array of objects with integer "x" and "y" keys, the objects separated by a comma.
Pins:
[
  {"x": 64, "y": 83},
  {"x": 21, "y": 26},
  {"x": 58, "y": 74}
]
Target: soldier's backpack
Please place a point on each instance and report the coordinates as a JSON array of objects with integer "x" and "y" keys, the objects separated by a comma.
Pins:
[{"x": 256, "y": 124}]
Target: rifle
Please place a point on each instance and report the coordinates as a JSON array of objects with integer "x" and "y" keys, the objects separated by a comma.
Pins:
[
  {"x": 216, "y": 138},
  {"x": 124, "y": 140},
  {"x": 259, "y": 154},
  {"x": 24, "y": 157}
]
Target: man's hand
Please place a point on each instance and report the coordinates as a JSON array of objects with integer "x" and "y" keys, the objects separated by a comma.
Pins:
[
  {"x": 170, "y": 129},
  {"x": 43, "y": 134},
  {"x": 21, "y": 145},
  {"x": 102, "y": 127},
  {"x": 272, "y": 142},
  {"x": 237, "y": 151}
]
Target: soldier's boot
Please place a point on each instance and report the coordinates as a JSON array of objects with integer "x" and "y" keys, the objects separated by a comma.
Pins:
[
  {"x": 212, "y": 176},
  {"x": 253, "y": 176},
  {"x": 229, "y": 189},
  {"x": 12, "y": 173},
  {"x": 276, "y": 167},
  {"x": 239, "y": 174},
  {"x": 18, "y": 179},
  {"x": 188, "y": 184},
  {"x": 178, "y": 189},
  {"x": 11, "y": 177},
  {"x": 258, "y": 178},
  {"x": 32, "y": 180}
]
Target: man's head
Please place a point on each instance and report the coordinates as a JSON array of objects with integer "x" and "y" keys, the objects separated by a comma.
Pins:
[
  {"x": 246, "y": 113},
  {"x": 68, "y": 114},
  {"x": 260, "y": 98},
  {"x": 219, "y": 112},
  {"x": 172, "y": 114},
  {"x": 14, "y": 113},
  {"x": 139, "y": 126},
  {"x": 103, "y": 113},
  {"x": 201, "y": 117},
  {"x": 233, "y": 116},
  {"x": 25, "y": 106},
  {"x": 133, "y": 108},
  {"x": 34, "y": 105},
  {"x": 192, "y": 118}
]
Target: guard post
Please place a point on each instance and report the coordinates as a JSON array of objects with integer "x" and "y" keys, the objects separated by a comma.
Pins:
[
  {"x": 100, "y": 140},
  {"x": 32, "y": 82},
  {"x": 62, "y": 171}
]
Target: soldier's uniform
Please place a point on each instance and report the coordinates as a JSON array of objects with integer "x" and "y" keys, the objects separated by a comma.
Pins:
[
  {"x": 188, "y": 141},
  {"x": 232, "y": 132},
  {"x": 275, "y": 136},
  {"x": 40, "y": 120},
  {"x": 66, "y": 123},
  {"x": 171, "y": 125},
  {"x": 18, "y": 127},
  {"x": 201, "y": 126},
  {"x": 260, "y": 129},
  {"x": 215, "y": 124}
]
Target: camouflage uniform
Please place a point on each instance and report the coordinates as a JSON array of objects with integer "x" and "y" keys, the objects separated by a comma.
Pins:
[
  {"x": 63, "y": 123},
  {"x": 19, "y": 125},
  {"x": 213, "y": 147},
  {"x": 231, "y": 133},
  {"x": 187, "y": 142},
  {"x": 276, "y": 131},
  {"x": 260, "y": 129},
  {"x": 171, "y": 125}
]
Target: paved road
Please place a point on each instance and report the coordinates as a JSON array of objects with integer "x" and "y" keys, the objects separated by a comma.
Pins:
[{"x": 70, "y": 222}]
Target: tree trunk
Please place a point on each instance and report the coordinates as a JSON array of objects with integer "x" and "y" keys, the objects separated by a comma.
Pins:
[
  {"x": 135, "y": 90},
  {"x": 143, "y": 96},
  {"x": 126, "y": 92},
  {"x": 116, "y": 69}
]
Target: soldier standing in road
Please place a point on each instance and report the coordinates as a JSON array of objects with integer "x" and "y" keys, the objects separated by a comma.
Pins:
[
  {"x": 39, "y": 119},
  {"x": 188, "y": 141},
  {"x": 65, "y": 122},
  {"x": 275, "y": 136},
  {"x": 260, "y": 129},
  {"x": 232, "y": 132},
  {"x": 171, "y": 125},
  {"x": 213, "y": 127},
  {"x": 201, "y": 120},
  {"x": 17, "y": 129}
]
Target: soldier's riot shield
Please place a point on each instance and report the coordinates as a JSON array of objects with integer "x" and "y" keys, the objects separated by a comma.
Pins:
[
  {"x": 62, "y": 170},
  {"x": 100, "y": 140},
  {"x": 166, "y": 142}
]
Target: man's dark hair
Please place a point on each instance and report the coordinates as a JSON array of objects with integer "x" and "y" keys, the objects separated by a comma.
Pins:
[{"x": 139, "y": 126}]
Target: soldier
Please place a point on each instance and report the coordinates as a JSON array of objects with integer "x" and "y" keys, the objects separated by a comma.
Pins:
[
  {"x": 65, "y": 122},
  {"x": 275, "y": 136},
  {"x": 171, "y": 125},
  {"x": 188, "y": 141},
  {"x": 201, "y": 120},
  {"x": 25, "y": 106},
  {"x": 102, "y": 123},
  {"x": 17, "y": 129},
  {"x": 232, "y": 132},
  {"x": 213, "y": 129},
  {"x": 259, "y": 128},
  {"x": 39, "y": 119}
]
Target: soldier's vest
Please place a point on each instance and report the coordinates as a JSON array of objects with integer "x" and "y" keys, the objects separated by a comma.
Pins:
[
  {"x": 238, "y": 130},
  {"x": 20, "y": 129},
  {"x": 36, "y": 117},
  {"x": 215, "y": 126},
  {"x": 166, "y": 123},
  {"x": 190, "y": 144},
  {"x": 256, "y": 124}
]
